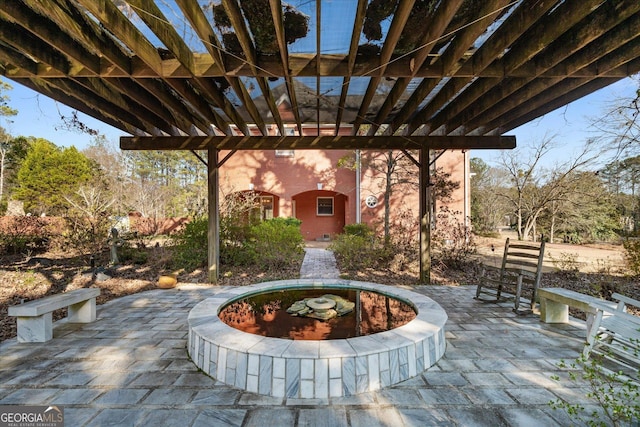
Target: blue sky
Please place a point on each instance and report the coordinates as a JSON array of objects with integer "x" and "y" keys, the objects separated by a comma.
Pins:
[
  {"x": 40, "y": 117},
  {"x": 571, "y": 124}
]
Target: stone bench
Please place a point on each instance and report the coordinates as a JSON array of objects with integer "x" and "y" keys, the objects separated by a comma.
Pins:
[
  {"x": 555, "y": 303},
  {"x": 35, "y": 317}
]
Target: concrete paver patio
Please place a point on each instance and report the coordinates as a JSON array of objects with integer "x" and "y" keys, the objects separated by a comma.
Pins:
[{"x": 130, "y": 367}]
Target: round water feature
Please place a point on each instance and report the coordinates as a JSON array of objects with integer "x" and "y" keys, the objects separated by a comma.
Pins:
[
  {"x": 317, "y": 313},
  {"x": 318, "y": 366}
]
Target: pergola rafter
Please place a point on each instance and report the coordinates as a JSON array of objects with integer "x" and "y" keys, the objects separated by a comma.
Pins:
[{"x": 573, "y": 42}]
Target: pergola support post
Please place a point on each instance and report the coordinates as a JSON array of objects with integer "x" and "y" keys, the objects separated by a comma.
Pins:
[
  {"x": 213, "y": 234},
  {"x": 425, "y": 218}
]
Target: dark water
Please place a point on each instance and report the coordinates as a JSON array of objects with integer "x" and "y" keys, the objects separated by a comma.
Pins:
[{"x": 266, "y": 314}]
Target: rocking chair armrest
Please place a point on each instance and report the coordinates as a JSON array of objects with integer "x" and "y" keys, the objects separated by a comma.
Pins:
[{"x": 493, "y": 268}]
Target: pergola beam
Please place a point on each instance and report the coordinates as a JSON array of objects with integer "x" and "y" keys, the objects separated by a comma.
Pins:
[
  {"x": 447, "y": 71},
  {"x": 278, "y": 20},
  {"x": 46, "y": 88},
  {"x": 269, "y": 66},
  {"x": 513, "y": 28},
  {"x": 242, "y": 32},
  {"x": 537, "y": 95},
  {"x": 436, "y": 26},
  {"x": 353, "y": 53},
  {"x": 316, "y": 142}
]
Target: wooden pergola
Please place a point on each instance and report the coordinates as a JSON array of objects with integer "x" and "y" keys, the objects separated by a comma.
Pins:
[{"x": 403, "y": 74}]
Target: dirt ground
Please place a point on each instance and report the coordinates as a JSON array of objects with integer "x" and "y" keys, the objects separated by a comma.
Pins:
[
  {"x": 25, "y": 278},
  {"x": 589, "y": 258},
  {"x": 594, "y": 269}
]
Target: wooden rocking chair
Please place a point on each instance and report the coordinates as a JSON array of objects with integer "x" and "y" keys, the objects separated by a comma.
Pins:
[{"x": 519, "y": 275}]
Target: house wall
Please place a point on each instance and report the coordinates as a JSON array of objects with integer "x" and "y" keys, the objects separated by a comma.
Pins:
[
  {"x": 405, "y": 197},
  {"x": 314, "y": 226},
  {"x": 456, "y": 163},
  {"x": 294, "y": 180}
]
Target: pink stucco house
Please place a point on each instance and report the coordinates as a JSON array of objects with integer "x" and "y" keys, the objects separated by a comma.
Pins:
[{"x": 309, "y": 185}]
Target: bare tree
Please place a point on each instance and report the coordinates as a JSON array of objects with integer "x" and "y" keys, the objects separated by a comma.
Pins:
[
  {"x": 4, "y": 151},
  {"x": 88, "y": 218},
  {"x": 488, "y": 208},
  {"x": 112, "y": 164},
  {"x": 587, "y": 212},
  {"x": 389, "y": 169},
  {"x": 618, "y": 125},
  {"x": 393, "y": 168},
  {"x": 535, "y": 188}
]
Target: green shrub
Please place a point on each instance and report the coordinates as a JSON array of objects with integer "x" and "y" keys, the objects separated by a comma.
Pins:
[
  {"x": 131, "y": 254},
  {"x": 233, "y": 243},
  {"x": 286, "y": 221},
  {"x": 270, "y": 244},
  {"x": 617, "y": 395},
  {"x": 354, "y": 252},
  {"x": 13, "y": 244},
  {"x": 190, "y": 246},
  {"x": 277, "y": 242},
  {"x": 632, "y": 255},
  {"x": 362, "y": 230}
]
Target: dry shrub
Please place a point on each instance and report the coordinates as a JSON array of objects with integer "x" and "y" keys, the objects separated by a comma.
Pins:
[
  {"x": 25, "y": 234},
  {"x": 452, "y": 240}
]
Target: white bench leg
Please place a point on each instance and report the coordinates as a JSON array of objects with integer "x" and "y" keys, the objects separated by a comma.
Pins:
[
  {"x": 82, "y": 312},
  {"x": 593, "y": 325},
  {"x": 35, "y": 329},
  {"x": 553, "y": 312}
]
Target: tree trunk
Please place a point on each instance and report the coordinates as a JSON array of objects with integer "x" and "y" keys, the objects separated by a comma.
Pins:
[
  {"x": 534, "y": 233},
  {"x": 2, "y": 157},
  {"x": 519, "y": 224},
  {"x": 387, "y": 197}
]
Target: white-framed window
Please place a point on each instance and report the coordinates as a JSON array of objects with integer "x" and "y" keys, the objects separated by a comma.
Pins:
[
  {"x": 284, "y": 153},
  {"x": 324, "y": 205}
]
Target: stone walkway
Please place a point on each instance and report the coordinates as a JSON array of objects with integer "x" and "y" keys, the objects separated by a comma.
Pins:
[
  {"x": 130, "y": 368},
  {"x": 319, "y": 264}
]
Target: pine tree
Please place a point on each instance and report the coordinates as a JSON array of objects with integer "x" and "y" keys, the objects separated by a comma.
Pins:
[{"x": 49, "y": 174}]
